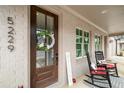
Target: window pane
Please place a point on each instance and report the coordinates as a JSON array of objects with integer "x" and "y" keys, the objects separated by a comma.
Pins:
[
  {"x": 86, "y": 37},
  {"x": 76, "y": 31},
  {"x": 99, "y": 39},
  {"x": 76, "y": 40},
  {"x": 87, "y": 34},
  {"x": 80, "y": 40},
  {"x": 80, "y": 32},
  {"x": 84, "y": 34},
  {"x": 78, "y": 53},
  {"x": 78, "y": 46},
  {"x": 85, "y": 48},
  {"x": 97, "y": 42}
]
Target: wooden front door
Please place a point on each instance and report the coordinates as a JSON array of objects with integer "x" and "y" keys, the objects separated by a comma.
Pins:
[{"x": 44, "y": 60}]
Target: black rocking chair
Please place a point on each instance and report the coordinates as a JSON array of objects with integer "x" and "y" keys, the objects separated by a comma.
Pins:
[
  {"x": 112, "y": 67},
  {"x": 101, "y": 72}
]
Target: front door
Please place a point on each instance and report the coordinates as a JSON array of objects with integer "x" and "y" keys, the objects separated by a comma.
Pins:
[{"x": 44, "y": 47}]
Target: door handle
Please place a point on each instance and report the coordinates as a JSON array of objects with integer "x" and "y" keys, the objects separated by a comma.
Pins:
[{"x": 56, "y": 58}]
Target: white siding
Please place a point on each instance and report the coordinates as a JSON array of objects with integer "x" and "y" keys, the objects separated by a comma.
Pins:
[{"x": 14, "y": 65}]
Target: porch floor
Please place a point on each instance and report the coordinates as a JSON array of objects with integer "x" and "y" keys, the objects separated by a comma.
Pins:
[{"x": 79, "y": 83}]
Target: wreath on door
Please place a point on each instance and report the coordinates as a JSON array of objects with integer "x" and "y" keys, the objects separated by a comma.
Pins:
[{"x": 44, "y": 35}]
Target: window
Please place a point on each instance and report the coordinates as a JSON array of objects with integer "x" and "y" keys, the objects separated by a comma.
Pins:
[
  {"x": 78, "y": 43},
  {"x": 82, "y": 42},
  {"x": 98, "y": 42},
  {"x": 86, "y": 42}
]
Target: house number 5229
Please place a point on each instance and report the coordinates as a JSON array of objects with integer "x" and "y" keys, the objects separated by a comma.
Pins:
[{"x": 11, "y": 33}]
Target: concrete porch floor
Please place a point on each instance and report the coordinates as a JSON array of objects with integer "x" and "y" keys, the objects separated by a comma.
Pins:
[{"x": 80, "y": 83}]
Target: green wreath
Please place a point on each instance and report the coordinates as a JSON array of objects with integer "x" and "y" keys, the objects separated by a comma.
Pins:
[{"x": 44, "y": 34}]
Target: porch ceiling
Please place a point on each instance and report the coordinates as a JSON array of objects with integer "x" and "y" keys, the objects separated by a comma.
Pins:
[{"x": 108, "y": 17}]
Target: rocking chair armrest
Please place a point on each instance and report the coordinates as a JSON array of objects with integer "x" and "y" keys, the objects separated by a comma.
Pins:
[
  {"x": 104, "y": 64},
  {"x": 102, "y": 70},
  {"x": 110, "y": 63}
]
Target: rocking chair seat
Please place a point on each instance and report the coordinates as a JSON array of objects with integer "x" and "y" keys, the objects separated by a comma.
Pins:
[
  {"x": 95, "y": 72},
  {"x": 100, "y": 68}
]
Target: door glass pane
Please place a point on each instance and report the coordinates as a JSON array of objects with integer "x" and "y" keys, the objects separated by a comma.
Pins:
[
  {"x": 50, "y": 23},
  {"x": 40, "y": 26},
  {"x": 40, "y": 20},
  {"x": 50, "y": 53}
]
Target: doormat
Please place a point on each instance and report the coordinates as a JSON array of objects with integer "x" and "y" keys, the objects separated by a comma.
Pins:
[{"x": 117, "y": 82}]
